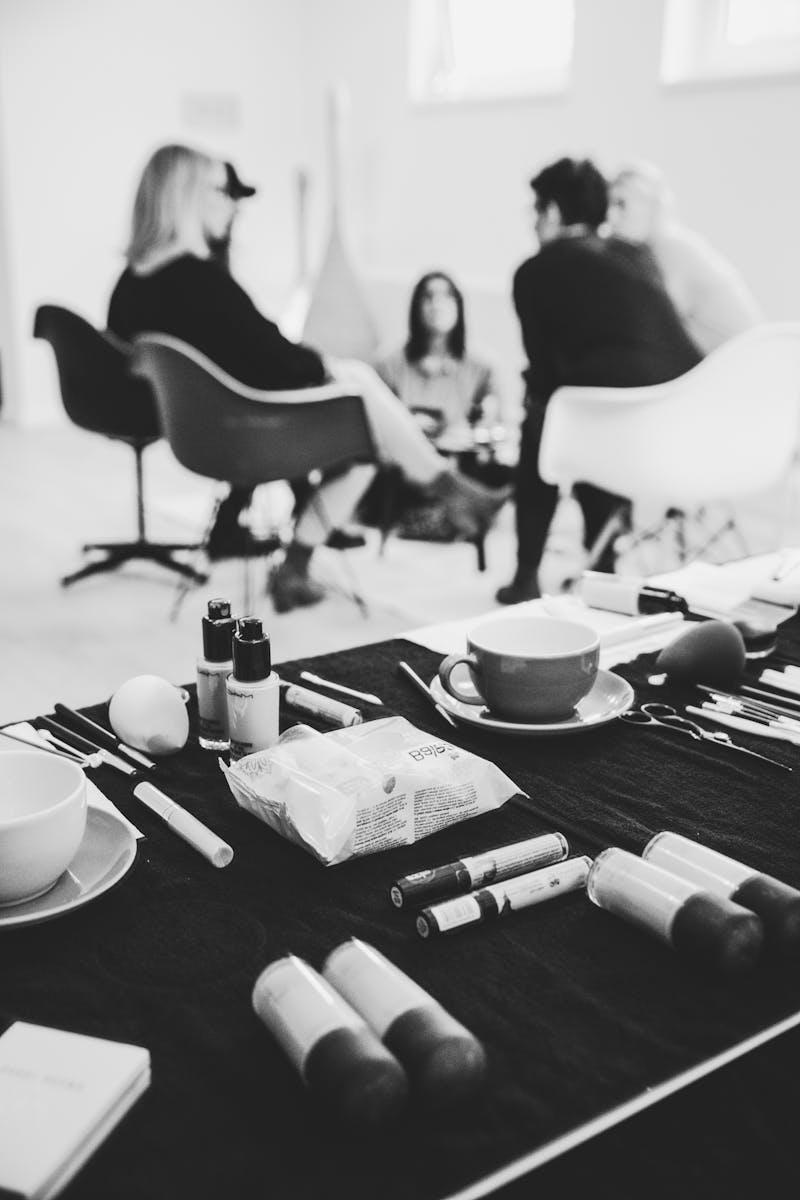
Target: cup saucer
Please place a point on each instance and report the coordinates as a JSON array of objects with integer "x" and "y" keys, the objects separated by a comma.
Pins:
[
  {"x": 104, "y": 856},
  {"x": 609, "y": 698}
]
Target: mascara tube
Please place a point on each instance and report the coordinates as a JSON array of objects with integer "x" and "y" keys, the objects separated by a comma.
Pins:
[
  {"x": 690, "y": 919},
  {"x": 338, "y": 1057},
  {"x": 303, "y": 700},
  {"x": 777, "y": 904},
  {"x": 629, "y": 595},
  {"x": 446, "y": 1064},
  {"x": 499, "y": 899},
  {"x": 467, "y": 874}
]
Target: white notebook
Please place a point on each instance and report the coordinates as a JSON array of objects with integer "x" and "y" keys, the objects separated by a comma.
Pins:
[{"x": 61, "y": 1094}]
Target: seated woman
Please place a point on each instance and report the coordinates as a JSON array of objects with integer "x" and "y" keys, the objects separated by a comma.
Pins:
[
  {"x": 172, "y": 285},
  {"x": 433, "y": 374},
  {"x": 448, "y": 391}
]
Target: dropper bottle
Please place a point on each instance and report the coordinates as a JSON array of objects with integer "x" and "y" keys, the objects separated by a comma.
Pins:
[
  {"x": 627, "y": 594},
  {"x": 253, "y": 691},
  {"x": 213, "y": 668}
]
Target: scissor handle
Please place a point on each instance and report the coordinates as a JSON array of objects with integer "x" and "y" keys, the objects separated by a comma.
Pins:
[
  {"x": 635, "y": 716},
  {"x": 659, "y": 711}
]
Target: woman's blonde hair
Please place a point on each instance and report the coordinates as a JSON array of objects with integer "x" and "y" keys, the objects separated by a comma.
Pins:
[{"x": 166, "y": 208}]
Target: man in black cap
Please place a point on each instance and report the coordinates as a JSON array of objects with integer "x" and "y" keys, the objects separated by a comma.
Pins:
[
  {"x": 221, "y": 247},
  {"x": 228, "y": 539}
]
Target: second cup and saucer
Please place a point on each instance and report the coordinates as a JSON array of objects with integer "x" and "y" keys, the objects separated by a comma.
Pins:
[
  {"x": 531, "y": 675},
  {"x": 608, "y": 699}
]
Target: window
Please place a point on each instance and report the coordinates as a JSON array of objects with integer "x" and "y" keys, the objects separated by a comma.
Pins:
[
  {"x": 485, "y": 49},
  {"x": 724, "y": 39}
]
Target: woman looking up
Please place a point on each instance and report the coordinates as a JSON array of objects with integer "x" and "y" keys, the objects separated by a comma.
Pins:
[
  {"x": 433, "y": 374},
  {"x": 172, "y": 285}
]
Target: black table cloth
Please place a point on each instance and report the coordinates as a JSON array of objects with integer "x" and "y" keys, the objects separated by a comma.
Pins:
[{"x": 579, "y": 1012}]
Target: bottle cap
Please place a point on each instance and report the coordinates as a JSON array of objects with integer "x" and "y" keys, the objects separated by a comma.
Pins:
[
  {"x": 357, "y": 1077},
  {"x": 218, "y": 627},
  {"x": 252, "y": 659},
  {"x": 657, "y": 600},
  {"x": 778, "y": 906},
  {"x": 446, "y": 1064},
  {"x": 718, "y": 932}
]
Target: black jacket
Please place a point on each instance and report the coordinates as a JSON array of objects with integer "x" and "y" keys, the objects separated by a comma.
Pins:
[
  {"x": 593, "y": 312},
  {"x": 197, "y": 301}
]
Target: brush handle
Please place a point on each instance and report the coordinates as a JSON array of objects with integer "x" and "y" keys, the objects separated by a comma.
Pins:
[{"x": 744, "y": 725}]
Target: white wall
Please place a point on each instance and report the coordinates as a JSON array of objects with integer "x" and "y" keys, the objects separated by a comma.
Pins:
[
  {"x": 449, "y": 187},
  {"x": 86, "y": 92},
  {"x": 88, "y": 88}
]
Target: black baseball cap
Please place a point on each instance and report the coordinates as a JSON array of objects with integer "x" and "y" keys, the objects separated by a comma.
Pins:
[{"x": 235, "y": 188}]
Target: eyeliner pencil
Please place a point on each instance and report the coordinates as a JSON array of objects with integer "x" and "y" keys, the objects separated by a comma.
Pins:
[
  {"x": 83, "y": 744},
  {"x": 105, "y": 736},
  {"x": 426, "y": 691}
]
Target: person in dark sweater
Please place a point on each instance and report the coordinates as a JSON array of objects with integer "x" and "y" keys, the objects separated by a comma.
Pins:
[
  {"x": 593, "y": 312},
  {"x": 172, "y": 285}
]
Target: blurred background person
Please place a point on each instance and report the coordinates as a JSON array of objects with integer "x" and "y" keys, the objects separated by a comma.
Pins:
[
  {"x": 237, "y": 191},
  {"x": 172, "y": 285},
  {"x": 593, "y": 312},
  {"x": 712, "y": 300},
  {"x": 453, "y": 396},
  {"x": 434, "y": 376}
]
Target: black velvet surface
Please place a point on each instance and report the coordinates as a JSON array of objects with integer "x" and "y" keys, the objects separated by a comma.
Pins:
[{"x": 579, "y": 1012}]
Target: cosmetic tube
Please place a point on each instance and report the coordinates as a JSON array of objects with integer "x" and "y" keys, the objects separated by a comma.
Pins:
[
  {"x": 467, "y": 874},
  {"x": 325, "y": 708},
  {"x": 500, "y": 899},
  {"x": 628, "y": 595},
  {"x": 253, "y": 691},
  {"x": 777, "y": 904},
  {"x": 213, "y": 668},
  {"x": 338, "y": 1057},
  {"x": 709, "y": 928},
  {"x": 446, "y": 1064}
]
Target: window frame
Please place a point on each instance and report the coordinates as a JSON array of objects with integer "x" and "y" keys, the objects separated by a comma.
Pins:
[
  {"x": 429, "y": 22},
  {"x": 694, "y": 48}
]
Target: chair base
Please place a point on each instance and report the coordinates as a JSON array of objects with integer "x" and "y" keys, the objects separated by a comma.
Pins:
[
  {"x": 692, "y": 535},
  {"x": 119, "y": 553}
]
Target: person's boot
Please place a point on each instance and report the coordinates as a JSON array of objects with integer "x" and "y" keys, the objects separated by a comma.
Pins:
[
  {"x": 524, "y": 586},
  {"x": 470, "y": 506},
  {"x": 229, "y": 539},
  {"x": 345, "y": 538},
  {"x": 289, "y": 585}
]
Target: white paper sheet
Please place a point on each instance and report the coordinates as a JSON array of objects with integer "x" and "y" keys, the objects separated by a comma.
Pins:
[{"x": 621, "y": 638}]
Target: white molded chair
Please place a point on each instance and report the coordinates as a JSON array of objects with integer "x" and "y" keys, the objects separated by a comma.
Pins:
[{"x": 726, "y": 429}]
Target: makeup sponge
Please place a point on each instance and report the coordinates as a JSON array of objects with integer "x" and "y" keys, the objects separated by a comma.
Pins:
[
  {"x": 148, "y": 713},
  {"x": 709, "y": 652}
]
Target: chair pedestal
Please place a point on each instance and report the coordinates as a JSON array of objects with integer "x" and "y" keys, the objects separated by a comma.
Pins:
[{"x": 118, "y": 553}]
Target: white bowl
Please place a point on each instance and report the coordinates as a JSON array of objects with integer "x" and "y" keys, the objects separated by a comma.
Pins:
[{"x": 42, "y": 821}]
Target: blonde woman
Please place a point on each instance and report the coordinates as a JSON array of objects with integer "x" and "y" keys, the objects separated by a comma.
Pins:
[
  {"x": 172, "y": 285},
  {"x": 710, "y": 296}
]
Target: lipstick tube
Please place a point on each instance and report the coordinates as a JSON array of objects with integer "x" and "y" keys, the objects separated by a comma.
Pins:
[{"x": 776, "y": 903}]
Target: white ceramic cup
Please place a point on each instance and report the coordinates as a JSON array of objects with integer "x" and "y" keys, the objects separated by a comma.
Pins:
[
  {"x": 42, "y": 821},
  {"x": 527, "y": 668}
]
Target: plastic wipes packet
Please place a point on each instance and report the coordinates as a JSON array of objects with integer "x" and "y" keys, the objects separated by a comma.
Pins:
[{"x": 365, "y": 788}]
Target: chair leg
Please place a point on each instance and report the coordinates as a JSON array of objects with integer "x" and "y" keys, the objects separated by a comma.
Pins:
[
  {"x": 119, "y": 553},
  {"x": 324, "y": 521},
  {"x": 616, "y": 524},
  {"x": 480, "y": 547}
]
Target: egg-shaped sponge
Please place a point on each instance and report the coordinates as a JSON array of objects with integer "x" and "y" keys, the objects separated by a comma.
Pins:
[
  {"x": 709, "y": 652},
  {"x": 148, "y": 712}
]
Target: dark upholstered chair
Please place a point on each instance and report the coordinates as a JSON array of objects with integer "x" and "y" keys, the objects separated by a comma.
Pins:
[
  {"x": 244, "y": 436},
  {"x": 100, "y": 395}
]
